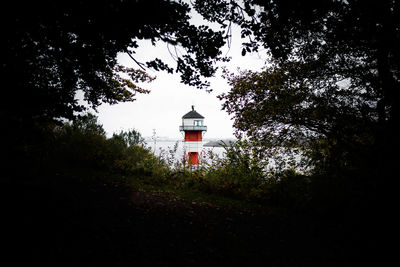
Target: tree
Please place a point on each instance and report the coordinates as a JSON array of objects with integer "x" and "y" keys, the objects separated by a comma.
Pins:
[
  {"x": 86, "y": 125},
  {"x": 54, "y": 49},
  {"x": 281, "y": 108},
  {"x": 130, "y": 138},
  {"x": 333, "y": 73}
]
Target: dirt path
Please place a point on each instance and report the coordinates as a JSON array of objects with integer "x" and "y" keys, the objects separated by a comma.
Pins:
[{"x": 95, "y": 224}]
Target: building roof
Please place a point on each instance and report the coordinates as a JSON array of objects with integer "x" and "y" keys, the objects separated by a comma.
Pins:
[{"x": 192, "y": 115}]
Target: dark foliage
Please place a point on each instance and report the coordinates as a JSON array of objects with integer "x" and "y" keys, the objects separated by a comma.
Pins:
[
  {"x": 52, "y": 49},
  {"x": 333, "y": 77}
]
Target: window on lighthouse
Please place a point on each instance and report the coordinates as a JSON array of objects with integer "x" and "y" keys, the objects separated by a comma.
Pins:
[{"x": 197, "y": 123}]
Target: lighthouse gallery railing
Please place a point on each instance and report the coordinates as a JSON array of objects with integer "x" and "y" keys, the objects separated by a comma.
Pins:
[{"x": 192, "y": 128}]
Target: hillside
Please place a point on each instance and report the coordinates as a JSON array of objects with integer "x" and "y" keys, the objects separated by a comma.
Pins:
[{"x": 218, "y": 143}]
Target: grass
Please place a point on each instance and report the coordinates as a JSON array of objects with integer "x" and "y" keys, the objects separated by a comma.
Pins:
[
  {"x": 140, "y": 182},
  {"x": 145, "y": 183}
]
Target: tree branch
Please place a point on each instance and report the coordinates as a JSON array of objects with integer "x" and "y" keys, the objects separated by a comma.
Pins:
[{"x": 137, "y": 62}]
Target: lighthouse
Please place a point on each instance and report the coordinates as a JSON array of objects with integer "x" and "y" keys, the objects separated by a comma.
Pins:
[{"x": 193, "y": 128}]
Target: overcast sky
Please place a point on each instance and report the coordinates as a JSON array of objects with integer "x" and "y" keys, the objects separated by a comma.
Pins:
[{"x": 169, "y": 99}]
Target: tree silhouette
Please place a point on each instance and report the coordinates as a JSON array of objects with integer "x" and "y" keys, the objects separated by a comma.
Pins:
[
  {"x": 54, "y": 49},
  {"x": 334, "y": 72}
]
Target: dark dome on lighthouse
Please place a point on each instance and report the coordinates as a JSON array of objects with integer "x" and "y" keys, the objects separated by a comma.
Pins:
[{"x": 192, "y": 115}]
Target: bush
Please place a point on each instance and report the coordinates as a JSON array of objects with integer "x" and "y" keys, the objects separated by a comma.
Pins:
[
  {"x": 80, "y": 143},
  {"x": 239, "y": 174},
  {"x": 83, "y": 143},
  {"x": 288, "y": 189}
]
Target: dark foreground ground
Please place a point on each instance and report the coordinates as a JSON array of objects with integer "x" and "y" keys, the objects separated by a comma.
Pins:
[{"x": 71, "y": 222}]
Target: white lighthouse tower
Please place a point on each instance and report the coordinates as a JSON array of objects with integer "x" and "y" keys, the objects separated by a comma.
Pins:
[{"x": 193, "y": 128}]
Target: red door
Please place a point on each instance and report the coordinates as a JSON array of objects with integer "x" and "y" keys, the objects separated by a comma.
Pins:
[{"x": 193, "y": 158}]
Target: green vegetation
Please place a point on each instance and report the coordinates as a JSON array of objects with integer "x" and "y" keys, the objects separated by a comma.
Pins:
[{"x": 242, "y": 178}]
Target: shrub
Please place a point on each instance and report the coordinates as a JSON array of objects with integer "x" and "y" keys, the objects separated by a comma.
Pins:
[
  {"x": 80, "y": 143},
  {"x": 83, "y": 143},
  {"x": 238, "y": 174}
]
